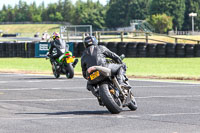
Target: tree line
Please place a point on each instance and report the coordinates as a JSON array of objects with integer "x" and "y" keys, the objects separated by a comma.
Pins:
[{"x": 171, "y": 14}]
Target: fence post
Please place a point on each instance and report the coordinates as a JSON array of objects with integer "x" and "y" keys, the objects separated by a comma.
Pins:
[
  {"x": 96, "y": 34},
  {"x": 122, "y": 36},
  {"x": 176, "y": 40},
  {"x": 99, "y": 36},
  {"x": 67, "y": 36},
  {"x": 147, "y": 38}
]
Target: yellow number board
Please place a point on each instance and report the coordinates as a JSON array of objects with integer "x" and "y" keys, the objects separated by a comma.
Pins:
[
  {"x": 94, "y": 75},
  {"x": 70, "y": 60}
]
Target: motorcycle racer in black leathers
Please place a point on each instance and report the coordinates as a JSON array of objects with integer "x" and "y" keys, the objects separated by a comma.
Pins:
[
  {"x": 95, "y": 55},
  {"x": 57, "y": 47}
]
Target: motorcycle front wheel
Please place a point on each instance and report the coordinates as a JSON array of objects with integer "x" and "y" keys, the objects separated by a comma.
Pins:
[
  {"x": 55, "y": 72},
  {"x": 112, "y": 103},
  {"x": 133, "y": 104}
]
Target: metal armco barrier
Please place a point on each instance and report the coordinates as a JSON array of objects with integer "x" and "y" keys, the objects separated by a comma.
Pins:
[{"x": 130, "y": 49}]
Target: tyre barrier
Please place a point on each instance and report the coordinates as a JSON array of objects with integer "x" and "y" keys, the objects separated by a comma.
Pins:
[
  {"x": 161, "y": 50},
  {"x": 141, "y": 50},
  {"x": 17, "y": 50},
  {"x": 30, "y": 50},
  {"x": 189, "y": 50},
  {"x": 170, "y": 50},
  {"x": 121, "y": 48},
  {"x": 151, "y": 50},
  {"x": 180, "y": 50},
  {"x": 14, "y": 52},
  {"x": 131, "y": 49},
  {"x": 4, "y": 50},
  {"x": 75, "y": 49},
  {"x": 1, "y": 50},
  {"x": 9, "y": 35},
  {"x": 112, "y": 46},
  {"x": 197, "y": 50},
  {"x": 80, "y": 49}
]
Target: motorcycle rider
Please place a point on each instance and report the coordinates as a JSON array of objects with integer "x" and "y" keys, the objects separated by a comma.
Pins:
[
  {"x": 57, "y": 47},
  {"x": 95, "y": 55}
]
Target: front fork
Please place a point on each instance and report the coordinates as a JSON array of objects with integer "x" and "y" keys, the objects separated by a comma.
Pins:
[
  {"x": 126, "y": 95},
  {"x": 118, "y": 86}
]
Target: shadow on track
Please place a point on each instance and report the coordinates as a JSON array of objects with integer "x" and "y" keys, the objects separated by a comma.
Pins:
[{"x": 102, "y": 112}]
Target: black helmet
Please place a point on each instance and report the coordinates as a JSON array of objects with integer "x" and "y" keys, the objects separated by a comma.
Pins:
[{"x": 90, "y": 40}]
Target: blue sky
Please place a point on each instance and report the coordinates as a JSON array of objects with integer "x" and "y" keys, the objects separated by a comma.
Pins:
[{"x": 13, "y": 2}]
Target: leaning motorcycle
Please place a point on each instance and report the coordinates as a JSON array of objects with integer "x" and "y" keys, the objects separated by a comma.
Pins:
[
  {"x": 64, "y": 65},
  {"x": 108, "y": 91}
]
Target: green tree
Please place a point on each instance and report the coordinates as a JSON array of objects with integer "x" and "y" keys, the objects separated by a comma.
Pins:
[
  {"x": 120, "y": 13},
  {"x": 52, "y": 13},
  {"x": 139, "y": 9},
  {"x": 89, "y": 13},
  {"x": 161, "y": 22},
  {"x": 3, "y": 14},
  {"x": 173, "y": 8},
  {"x": 117, "y": 14},
  {"x": 68, "y": 11},
  {"x": 58, "y": 17},
  {"x": 21, "y": 13}
]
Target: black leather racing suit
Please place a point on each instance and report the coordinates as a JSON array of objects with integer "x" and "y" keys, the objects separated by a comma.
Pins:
[
  {"x": 58, "y": 46},
  {"x": 95, "y": 55}
]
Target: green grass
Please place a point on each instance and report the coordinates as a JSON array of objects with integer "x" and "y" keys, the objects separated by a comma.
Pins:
[
  {"x": 182, "y": 68},
  {"x": 28, "y": 30},
  {"x": 164, "y": 67}
]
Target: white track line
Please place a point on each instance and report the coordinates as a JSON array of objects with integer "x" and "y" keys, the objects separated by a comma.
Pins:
[
  {"x": 47, "y": 100},
  {"x": 81, "y": 99},
  {"x": 167, "y": 86},
  {"x": 175, "y": 96},
  {"x": 31, "y": 89},
  {"x": 36, "y": 81}
]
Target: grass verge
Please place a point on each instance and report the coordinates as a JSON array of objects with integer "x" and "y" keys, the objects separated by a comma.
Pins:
[{"x": 162, "y": 68}]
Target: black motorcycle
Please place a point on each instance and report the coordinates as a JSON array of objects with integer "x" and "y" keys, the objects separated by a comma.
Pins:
[{"x": 108, "y": 91}]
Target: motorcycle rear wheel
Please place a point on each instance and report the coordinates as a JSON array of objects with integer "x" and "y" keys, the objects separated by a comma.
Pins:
[
  {"x": 69, "y": 71},
  {"x": 112, "y": 103}
]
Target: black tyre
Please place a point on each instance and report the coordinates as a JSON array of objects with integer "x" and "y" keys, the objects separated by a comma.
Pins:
[
  {"x": 131, "y": 49},
  {"x": 55, "y": 72},
  {"x": 69, "y": 71},
  {"x": 133, "y": 104},
  {"x": 170, "y": 50},
  {"x": 112, "y": 103}
]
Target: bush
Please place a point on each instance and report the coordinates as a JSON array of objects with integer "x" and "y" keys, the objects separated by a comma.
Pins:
[{"x": 161, "y": 22}]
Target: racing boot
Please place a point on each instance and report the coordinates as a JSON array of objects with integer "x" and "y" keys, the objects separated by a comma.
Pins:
[
  {"x": 75, "y": 62},
  {"x": 120, "y": 80}
]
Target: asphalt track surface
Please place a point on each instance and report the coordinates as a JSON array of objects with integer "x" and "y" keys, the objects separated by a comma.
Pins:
[{"x": 42, "y": 104}]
